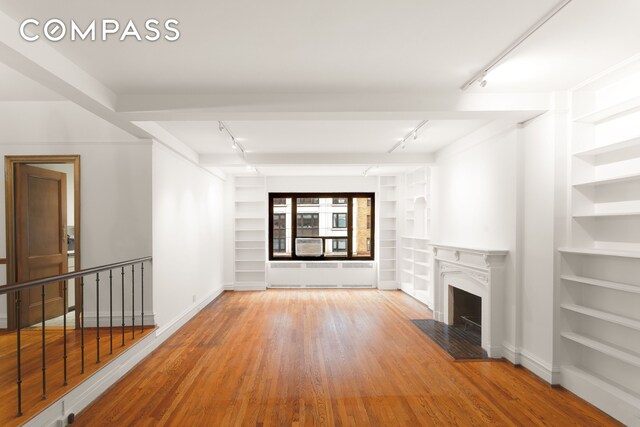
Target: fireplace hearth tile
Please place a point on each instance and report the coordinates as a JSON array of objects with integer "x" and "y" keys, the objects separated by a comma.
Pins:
[{"x": 460, "y": 343}]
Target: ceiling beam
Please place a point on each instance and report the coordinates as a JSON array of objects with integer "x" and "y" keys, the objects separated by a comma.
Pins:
[
  {"x": 333, "y": 106},
  {"x": 44, "y": 64},
  {"x": 347, "y": 159}
]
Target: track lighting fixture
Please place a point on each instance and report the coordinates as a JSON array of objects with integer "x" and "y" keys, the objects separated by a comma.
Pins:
[
  {"x": 234, "y": 143},
  {"x": 403, "y": 142},
  {"x": 480, "y": 76}
]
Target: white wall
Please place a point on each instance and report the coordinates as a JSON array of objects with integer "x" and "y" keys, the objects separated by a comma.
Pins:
[
  {"x": 318, "y": 184},
  {"x": 538, "y": 248},
  {"x": 475, "y": 202},
  {"x": 115, "y": 193},
  {"x": 188, "y": 235}
]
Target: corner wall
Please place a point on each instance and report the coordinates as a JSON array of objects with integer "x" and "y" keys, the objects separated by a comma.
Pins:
[{"x": 188, "y": 235}]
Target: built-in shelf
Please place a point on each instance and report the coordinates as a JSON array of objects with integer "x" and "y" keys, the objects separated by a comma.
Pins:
[
  {"x": 602, "y": 283},
  {"x": 601, "y": 115},
  {"x": 603, "y": 315},
  {"x": 608, "y": 215},
  {"x": 609, "y": 349},
  {"x": 595, "y": 314},
  {"x": 600, "y": 252},
  {"x": 605, "y": 181},
  {"x": 609, "y": 148},
  {"x": 250, "y": 196}
]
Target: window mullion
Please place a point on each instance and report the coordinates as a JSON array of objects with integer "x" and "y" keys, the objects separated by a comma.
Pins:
[{"x": 349, "y": 226}]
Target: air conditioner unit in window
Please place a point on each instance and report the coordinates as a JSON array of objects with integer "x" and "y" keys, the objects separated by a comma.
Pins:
[{"x": 306, "y": 246}]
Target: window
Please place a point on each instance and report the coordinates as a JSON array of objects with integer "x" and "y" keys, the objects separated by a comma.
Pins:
[
  {"x": 279, "y": 232},
  {"x": 308, "y": 201},
  {"x": 335, "y": 226},
  {"x": 308, "y": 225},
  {"x": 339, "y": 220},
  {"x": 339, "y": 245}
]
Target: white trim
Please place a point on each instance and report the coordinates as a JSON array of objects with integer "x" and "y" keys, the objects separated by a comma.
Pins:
[
  {"x": 228, "y": 287},
  {"x": 531, "y": 362},
  {"x": 388, "y": 285},
  {"x": 623, "y": 406},
  {"x": 510, "y": 353},
  {"x": 541, "y": 368},
  {"x": 84, "y": 394},
  {"x": 3, "y": 322},
  {"x": 250, "y": 287}
]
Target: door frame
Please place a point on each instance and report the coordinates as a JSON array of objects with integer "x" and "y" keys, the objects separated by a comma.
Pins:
[{"x": 12, "y": 259}]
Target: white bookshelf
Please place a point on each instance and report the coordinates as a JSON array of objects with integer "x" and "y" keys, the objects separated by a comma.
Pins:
[
  {"x": 599, "y": 295},
  {"x": 250, "y": 232},
  {"x": 415, "y": 257},
  {"x": 387, "y": 232}
]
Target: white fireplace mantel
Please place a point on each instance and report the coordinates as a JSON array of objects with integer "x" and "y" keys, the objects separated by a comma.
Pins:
[{"x": 479, "y": 272}]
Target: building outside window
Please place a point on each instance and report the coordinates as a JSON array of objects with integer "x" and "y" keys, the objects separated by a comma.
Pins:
[
  {"x": 308, "y": 201},
  {"x": 339, "y": 220},
  {"x": 340, "y": 225},
  {"x": 279, "y": 232}
]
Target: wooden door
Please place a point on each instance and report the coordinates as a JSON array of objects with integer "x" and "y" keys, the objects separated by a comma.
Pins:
[{"x": 41, "y": 238}]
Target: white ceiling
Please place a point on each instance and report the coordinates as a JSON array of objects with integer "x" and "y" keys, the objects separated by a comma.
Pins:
[
  {"x": 254, "y": 46},
  {"x": 249, "y": 55},
  {"x": 16, "y": 87},
  {"x": 319, "y": 136}
]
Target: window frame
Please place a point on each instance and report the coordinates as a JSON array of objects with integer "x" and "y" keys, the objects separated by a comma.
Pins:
[
  {"x": 350, "y": 232},
  {"x": 336, "y": 224}
]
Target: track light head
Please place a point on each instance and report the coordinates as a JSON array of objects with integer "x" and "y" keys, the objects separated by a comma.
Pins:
[
  {"x": 234, "y": 145},
  {"x": 220, "y": 127},
  {"x": 415, "y": 135},
  {"x": 483, "y": 83},
  {"x": 402, "y": 145}
]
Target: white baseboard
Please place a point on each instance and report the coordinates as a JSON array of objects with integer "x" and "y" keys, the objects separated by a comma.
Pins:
[
  {"x": 228, "y": 287},
  {"x": 90, "y": 320},
  {"x": 388, "y": 286},
  {"x": 84, "y": 394},
  {"x": 3, "y": 322},
  {"x": 533, "y": 363},
  {"x": 510, "y": 353},
  {"x": 606, "y": 396},
  {"x": 250, "y": 287}
]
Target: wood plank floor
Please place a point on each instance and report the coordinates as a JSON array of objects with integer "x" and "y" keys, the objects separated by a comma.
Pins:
[
  {"x": 325, "y": 357},
  {"x": 31, "y": 363}
]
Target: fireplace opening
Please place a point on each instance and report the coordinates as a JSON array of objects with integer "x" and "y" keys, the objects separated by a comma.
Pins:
[{"x": 467, "y": 308}]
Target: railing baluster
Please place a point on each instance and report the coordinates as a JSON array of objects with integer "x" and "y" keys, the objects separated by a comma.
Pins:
[
  {"x": 44, "y": 347},
  {"x": 18, "y": 322},
  {"x": 82, "y": 323},
  {"x": 15, "y": 291},
  {"x": 133, "y": 306},
  {"x": 64, "y": 329},
  {"x": 110, "y": 311},
  {"x": 122, "y": 306},
  {"x": 142, "y": 296},
  {"x": 97, "y": 317}
]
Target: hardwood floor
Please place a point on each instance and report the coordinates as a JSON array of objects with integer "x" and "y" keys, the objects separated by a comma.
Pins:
[
  {"x": 325, "y": 357},
  {"x": 31, "y": 363}
]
